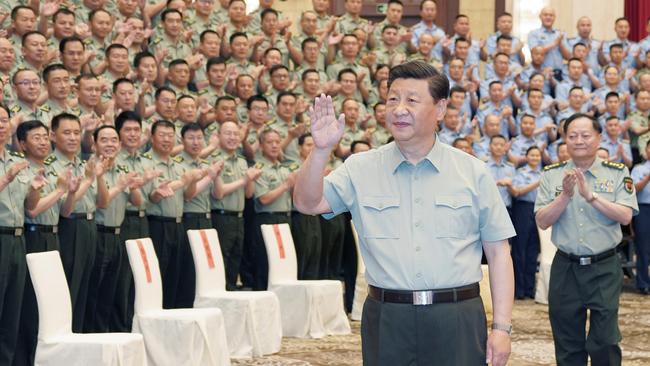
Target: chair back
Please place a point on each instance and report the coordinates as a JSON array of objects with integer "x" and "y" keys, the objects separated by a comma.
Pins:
[
  {"x": 52, "y": 294},
  {"x": 281, "y": 253},
  {"x": 547, "y": 249},
  {"x": 208, "y": 262},
  {"x": 146, "y": 275}
]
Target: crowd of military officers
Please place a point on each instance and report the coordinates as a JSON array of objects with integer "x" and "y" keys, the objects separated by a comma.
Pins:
[{"x": 125, "y": 119}]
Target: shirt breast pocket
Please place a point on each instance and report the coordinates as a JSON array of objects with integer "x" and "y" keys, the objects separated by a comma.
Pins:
[
  {"x": 380, "y": 216},
  {"x": 454, "y": 216}
]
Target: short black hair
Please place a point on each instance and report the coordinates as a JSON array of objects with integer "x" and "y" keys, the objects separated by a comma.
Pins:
[
  {"x": 612, "y": 94},
  {"x": 498, "y": 136},
  {"x": 438, "y": 83},
  {"x": 235, "y": 35},
  {"x": 56, "y": 120},
  {"x": 283, "y": 94},
  {"x": 267, "y": 11},
  {"x": 160, "y": 124},
  {"x": 176, "y": 62},
  {"x": 164, "y": 14},
  {"x": 164, "y": 89},
  {"x": 50, "y": 68},
  {"x": 139, "y": 56},
  {"x": 119, "y": 81},
  {"x": 506, "y": 37},
  {"x": 205, "y": 33},
  {"x": 224, "y": 98},
  {"x": 92, "y": 13},
  {"x": 256, "y": 98},
  {"x": 67, "y": 40},
  {"x": 63, "y": 11},
  {"x": 355, "y": 143},
  {"x": 25, "y": 127},
  {"x": 275, "y": 68},
  {"x": 28, "y": 34},
  {"x": 219, "y": 60},
  {"x": 531, "y": 148},
  {"x": 307, "y": 40},
  {"x": 126, "y": 116},
  {"x": 347, "y": 70},
  {"x": 17, "y": 8},
  {"x": 190, "y": 127},
  {"x": 115, "y": 46},
  {"x": 302, "y": 138},
  {"x": 104, "y": 127},
  {"x": 594, "y": 123},
  {"x": 307, "y": 72}
]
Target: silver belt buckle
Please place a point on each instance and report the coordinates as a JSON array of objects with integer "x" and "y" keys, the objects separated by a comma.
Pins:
[
  {"x": 18, "y": 231},
  {"x": 55, "y": 229},
  {"x": 422, "y": 297},
  {"x": 585, "y": 261},
  {"x": 141, "y": 213},
  {"x": 89, "y": 216},
  {"x": 179, "y": 220},
  {"x": 117, "y": 231},
  {"x": 208, "y": 215}
]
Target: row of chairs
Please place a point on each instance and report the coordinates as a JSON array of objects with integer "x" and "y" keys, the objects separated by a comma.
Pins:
[{"x": 221, "y": 325}]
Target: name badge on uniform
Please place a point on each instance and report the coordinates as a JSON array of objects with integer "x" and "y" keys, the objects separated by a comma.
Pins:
[{"x": 604, "y": 186}]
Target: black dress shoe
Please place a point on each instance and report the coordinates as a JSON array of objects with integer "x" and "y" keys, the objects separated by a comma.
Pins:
[{"x": 644, "y": 291}]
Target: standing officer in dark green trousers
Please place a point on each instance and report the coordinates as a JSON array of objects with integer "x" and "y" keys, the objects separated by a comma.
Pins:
[
  {"x": 41, "y": 230},
  {"x": 77, "y": 229},
  {"x": 135, "y": 224},
  {"x": 196, "y": 209},
  {"x": 333, "y": 236},
  {"x": 586, "y": 200},
  {"x": 17, "y": 194},
  {"x": 235, "y": 183},
  {"x": 165, "y": 196},
  {"x": 273, "y": 202},
  {"x": 115, "y": 187},
  {"x": 420, "y": 236},
  {"x": 305, "y": 229}
]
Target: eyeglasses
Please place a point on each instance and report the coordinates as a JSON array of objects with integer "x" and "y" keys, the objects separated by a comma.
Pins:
[{"x": 28, "y": 83}]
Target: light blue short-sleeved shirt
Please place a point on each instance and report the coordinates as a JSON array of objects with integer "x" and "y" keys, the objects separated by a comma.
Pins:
[
  {"x": 420, "y": 226},
  {"x": 525, "y": 176},
  {"x": 542, "y": 37},
  {"x": 500, "y": 170},
  {"x": 639, "y": 172}
]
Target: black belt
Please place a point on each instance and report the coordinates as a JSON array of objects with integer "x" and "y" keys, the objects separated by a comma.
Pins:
[
  {"x": 109, "y": 229},
  {"x": 141, "y": 213},
  {"x": 42, "y": 228},
  {"x": 585, "y": 260},
  {"x": 281, "y": 213},
  {"x": 426, "y": 297},
  {"x": 81, "y": 215},
  {"x": 195, "y": 215},
  {"x": 228, "y": 213},
  {"x": 15, "y": 231},
  {"x": 177, "y": 220}
]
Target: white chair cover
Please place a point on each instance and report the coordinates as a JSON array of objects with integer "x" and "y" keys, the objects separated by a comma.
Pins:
[
  {"x": 547, "y": 252},
  {"x": 172, "y": 337},
  {"x": 486, "y": 292},
  {"x": 309, "y": 308},
  {"x": 253, "y": 320},
  {"x": 57, "y": 345},
  {"x": 360, "y": 284}
]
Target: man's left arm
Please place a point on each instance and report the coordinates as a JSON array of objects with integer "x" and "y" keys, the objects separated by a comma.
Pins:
[{"x": 502, "y": 287}]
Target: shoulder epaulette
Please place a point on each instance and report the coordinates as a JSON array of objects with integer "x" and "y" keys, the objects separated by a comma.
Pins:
[
  {"x": 293, "y": 166},
  {"x": 613, "y": 165},
  {"x": 123, "y": 168},
  {"x": 178, "y": 159},
  {"x": 202, "y": 91},
  {"x": 259, "y": 165},
  {"x": 157, "y": 40},
  {"x": 212, "y": 127},
  {"x": 216, "y": 154},
  {"x": 271, "y": 122},
  {"x": 147, "y": 155},
  {"x": 203, "y": 161},
  {"x": 16, "y": 154},
  {"x": 88, "y": 41},
  {"x": 483, "y": 106},
  {"x": 45, "y": 108},
  {"x": 50, "y": 159},
  {"x": 556, "y": 165},
  {"x": 15, "y": 109}
]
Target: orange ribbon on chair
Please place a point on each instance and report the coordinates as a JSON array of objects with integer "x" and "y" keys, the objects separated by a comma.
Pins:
[
  {"x": 206, "y": 248},
  {"x": 278, "y": 238},
  {"x": 145, "y": 260}
]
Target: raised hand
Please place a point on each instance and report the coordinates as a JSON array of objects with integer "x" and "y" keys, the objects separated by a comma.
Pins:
[
  {"x": 39, "y": 180},
  {"x": 252, "y": 174},
  {"x": 50, "y": 7},
  {"x": 569, "y": 182},
  {"x": 215, "y": 169},
  {"x": 163, "y": 190},
  {"x": 14, "y": 170},
  {"x": 326, "y": 129}
]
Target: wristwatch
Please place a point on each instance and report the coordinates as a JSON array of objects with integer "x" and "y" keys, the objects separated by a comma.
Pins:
[
  {"x": 502, "y": 327},
  {"x": 594, "y": 196}
]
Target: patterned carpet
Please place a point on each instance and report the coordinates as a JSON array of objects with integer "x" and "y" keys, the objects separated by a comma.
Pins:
[{"x": 532, "y": 342}]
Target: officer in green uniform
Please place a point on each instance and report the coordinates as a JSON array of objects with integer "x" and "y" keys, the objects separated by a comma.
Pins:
[
  {"x": 171, "y": 39},
  {"x": 234, "y": 184},
  {"x": 196, "y": 209},
  {"x": 422, "y": 248},
  {"x": 288, "y": 124},
  {"x": 115, "y": 186},
  {"x": 77, "y": 229},
  {"x": 272, "y": 199},
  {"x": 351, "y": 20},
  {"x": 16, "y": 196},
  {"x": 27, "y": 86},
  {"x": 165, "y": 196},
  {"x": 586, "y": 200},
  {"x": 135, "y": 224},
  {"x": 305, "y": 229},
  {"x": 41, "y": 230},
  {"x": 57, "y": 81},
  {"x": 351, "y": 132}
]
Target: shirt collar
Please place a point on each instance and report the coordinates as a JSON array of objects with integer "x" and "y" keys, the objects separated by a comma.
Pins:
[
  {"x": 434, "y": 156},
  {"x": 594, "y": 169},
  {"x": 59, "y": 155}
]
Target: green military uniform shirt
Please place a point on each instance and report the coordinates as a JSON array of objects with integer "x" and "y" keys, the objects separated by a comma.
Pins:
[
  {"x": 171, "y": 170},
  {"x": 19, "y": 107},
  {"x": 291, "y": 151},
  {"x": 198, "y": 25},
  {"x": 379, "y": 27},
  {"x": 132, "y": 162},
  {"x": 234, "y": 168},
  {"x": 51, "y": 215},
  {"x": 351, "y": 134},
  {"x": 640, "y": 119},
  {"x": 583, "y": 229},
  {"x": 94, "y": 44},
  {"x": 58, "y": 163},
  {"x": 12, "y": 197},
  {"x": 413, "y": 236},
  {"x": 255, "y": 25},
  {"x": 200, "y": 203},
  {"x": 272, "y": 176},
  {"x": 177, "y": 49},
  {"x": 347, "y": 24},
  {"x": 379, "y": 136},
  {"x": 51, "y": 108},
  {"x": 113, "y": 215}
]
